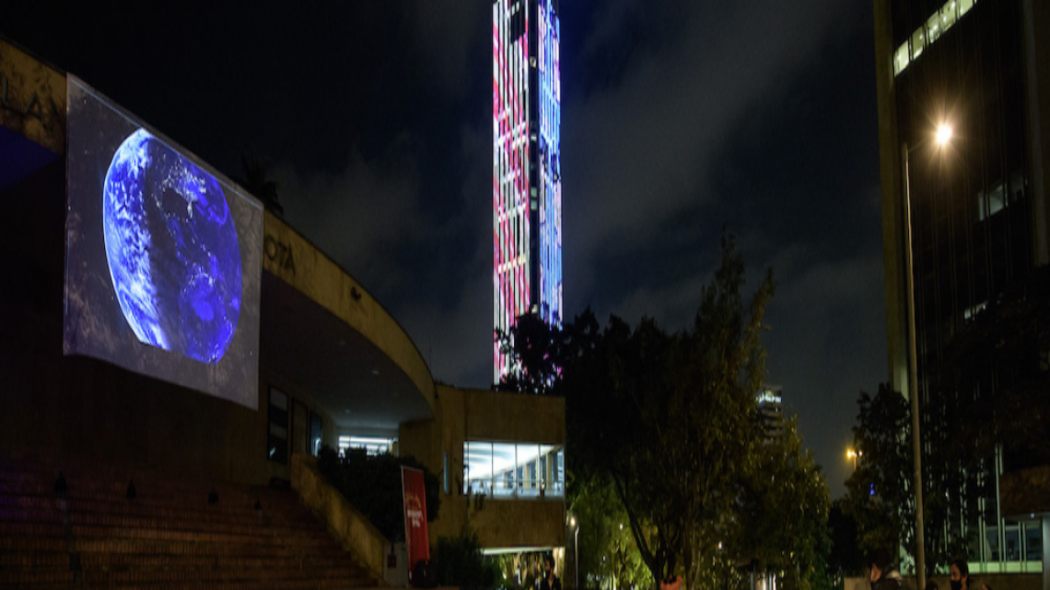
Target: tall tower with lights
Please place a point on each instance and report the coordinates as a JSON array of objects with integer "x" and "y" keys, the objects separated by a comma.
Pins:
[{"x": 526, "y": 168}]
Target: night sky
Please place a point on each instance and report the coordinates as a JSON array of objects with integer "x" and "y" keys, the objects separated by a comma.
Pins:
[{"x": 680, "y": 118}]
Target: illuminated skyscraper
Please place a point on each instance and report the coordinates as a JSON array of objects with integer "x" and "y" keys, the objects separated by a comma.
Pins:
[
  {"x": 526, "y": 179},
  {"x": 771, "y": 412}
]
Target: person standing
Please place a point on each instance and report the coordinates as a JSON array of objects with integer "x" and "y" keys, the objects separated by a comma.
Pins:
[
  {"x": 550, "y": 579},
  {"x": 959, "y": 575},
  {"x": 881, "y": 572}
]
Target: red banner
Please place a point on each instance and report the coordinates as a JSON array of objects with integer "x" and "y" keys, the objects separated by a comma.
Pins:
[{"x": 414, "y": 496}]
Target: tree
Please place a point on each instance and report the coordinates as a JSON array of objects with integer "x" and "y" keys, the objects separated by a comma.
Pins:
[
  {"x": 666, "y": 425},
  {"x": 537, "y": 350},
  {"x": 984, "y": 393},
  {"x": 879, "y": 492},
  {"x": 995, "y": 373},
  {"x": 372, "y": 484},
  {"x": 607, "y": 549},
  {"x": 257, "y": 181},
  {"x": 669, "y": 419},
  {"x": 784, "y": 512},
  {"x": 458, "y": 562},
  {"x": 845, "y": 558}
]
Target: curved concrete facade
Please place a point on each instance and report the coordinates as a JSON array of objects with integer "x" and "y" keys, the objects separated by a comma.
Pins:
[
  {"x": 80, "y": 408},
  {"x": 290, "y": 257},
  {"x": 326, "y": 343}
]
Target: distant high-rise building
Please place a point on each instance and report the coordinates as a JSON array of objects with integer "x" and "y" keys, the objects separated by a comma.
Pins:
[
  {"x": 526, "y": 179},
  {"x": 963, "y": 109},
  {"x": 771, "y": 411}
]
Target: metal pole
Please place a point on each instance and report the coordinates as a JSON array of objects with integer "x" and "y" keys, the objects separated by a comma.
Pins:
[
  {"x": 576, "y": 549},
  {"x": 1045, "y": 525},
  {"x": 913, "y": 379}
]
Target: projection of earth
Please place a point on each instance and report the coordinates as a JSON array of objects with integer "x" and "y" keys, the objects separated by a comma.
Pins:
[{"x": 172, "y": 249}]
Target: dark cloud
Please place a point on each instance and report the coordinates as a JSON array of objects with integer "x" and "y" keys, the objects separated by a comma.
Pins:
[
  {"x": 756, "y": 117},
  {"x": 447, "y": 36}
]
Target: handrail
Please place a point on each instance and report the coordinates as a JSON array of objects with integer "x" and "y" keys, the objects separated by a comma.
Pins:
[{"x": 351, "y": 528}]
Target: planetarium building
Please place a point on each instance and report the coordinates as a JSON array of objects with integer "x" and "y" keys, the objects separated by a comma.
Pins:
[{"x": 175, "y": 356}]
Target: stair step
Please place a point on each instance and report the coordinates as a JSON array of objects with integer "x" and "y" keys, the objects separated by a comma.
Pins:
[{"x": 168, "y": 536}]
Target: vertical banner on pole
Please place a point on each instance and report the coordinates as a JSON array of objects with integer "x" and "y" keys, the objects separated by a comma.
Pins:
[{"x": 414, "y": 497}]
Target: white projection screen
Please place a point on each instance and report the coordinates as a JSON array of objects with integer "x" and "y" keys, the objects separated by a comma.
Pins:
[{"x": 162, "y": 256}]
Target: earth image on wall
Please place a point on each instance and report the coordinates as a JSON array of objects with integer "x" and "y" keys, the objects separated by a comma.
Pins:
[{"x": 171, "y": 245}]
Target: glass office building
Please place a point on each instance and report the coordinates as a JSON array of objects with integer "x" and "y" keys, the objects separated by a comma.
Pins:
[{"x": 979, "y": 222}]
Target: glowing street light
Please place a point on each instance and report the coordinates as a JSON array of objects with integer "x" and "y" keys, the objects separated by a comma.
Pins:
[
  {"x": 941, "y": 136},
  {"x": 852, "y": 455}
]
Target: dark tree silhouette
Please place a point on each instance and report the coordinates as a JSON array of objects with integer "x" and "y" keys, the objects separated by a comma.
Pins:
[{"x": 257, "y": 181}]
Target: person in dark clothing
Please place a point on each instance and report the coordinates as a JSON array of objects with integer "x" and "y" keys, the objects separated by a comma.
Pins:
[
  {"x": 959, "y": 575},
  {"x": 550, "y": 580},
  {"x": 881, "y": 572}
]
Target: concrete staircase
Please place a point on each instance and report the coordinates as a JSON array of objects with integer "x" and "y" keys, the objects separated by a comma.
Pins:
[{"x": 171, "y": 534}]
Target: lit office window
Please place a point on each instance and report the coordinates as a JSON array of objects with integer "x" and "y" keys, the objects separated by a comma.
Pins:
[
  {"x": 523, "y": 470},
  {"x": 949, "y": 14},
  {"x": 933, "y": 27},
  {"x": 316, "y": 434},
  {"x": 991, "y": 202},
  {"x": 918, "y": 43},
  {"x": 277, "y": 432},
  {"x": 445, "y": 475},
  {"x": 477, "y": 466},
  {"x": 939, "y": 22},
  {"x": 371, "y": 445},
  {"x": 1012, "y": 537},
  {"x": 558, "y": 485},
  {"x": 900, "y": 58},
  {"x": 504, "y": 458},
  {"x": 971, "y": 312},
  {"x": 991, "y": 533},
  {"x": 1033, "y": 541}
]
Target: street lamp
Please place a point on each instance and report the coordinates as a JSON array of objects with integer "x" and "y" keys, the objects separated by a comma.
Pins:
[
  {"x": 575, "y": 548},
  {"x": 942, "y": 136},
  {"x": 851, "y": 455}
]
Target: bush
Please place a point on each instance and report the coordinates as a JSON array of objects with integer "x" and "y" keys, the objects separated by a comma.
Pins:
[
  {"x": 372, "y": 484},
  {"x": 457, "y": 561}
]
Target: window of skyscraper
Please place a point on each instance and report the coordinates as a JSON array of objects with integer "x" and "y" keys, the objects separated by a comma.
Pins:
[
  {"x": 935, "y": 26},
  {"x": 991, "y": 202},
  {"x": 918, "y": 43},
  {"x": 948, "y": 14},
  {"x": 900, "y": 58}
]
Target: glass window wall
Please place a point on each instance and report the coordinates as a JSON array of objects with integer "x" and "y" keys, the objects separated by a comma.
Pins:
[
  {"x": 935, "y": 26},
  {"x": 508, "y": 470}
]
